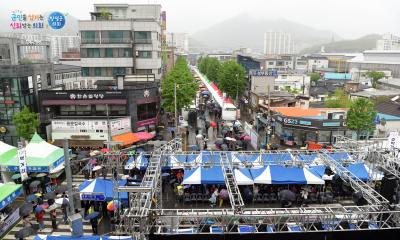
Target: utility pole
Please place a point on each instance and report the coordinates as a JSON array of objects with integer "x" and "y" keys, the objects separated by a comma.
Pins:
[
  {"x": 108, "y": 128},
  {"x": 69, "y": 177},
  {"x": 237, "y": 89},
  {"x": 269, "y": 116}
]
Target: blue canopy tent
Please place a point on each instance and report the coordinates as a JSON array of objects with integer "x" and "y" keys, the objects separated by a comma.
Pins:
[
  {"x": 243, "y": 176},
  {"x": 340, "y": 156},
  {"x": 307, "y": 157},
  {"x": 138, "y": 162},
  {"x": 359, "y": 170},
  {"x": 275, "y": 157},
  {"x": 319, "y": 170},
  {"x": 55, "y": 237},
  {"x": 244, "y": 157},
  {"x": 207, "y": 157},
  {"x": 100, "y": 190},
  {"x": 275, "y": 174},
  {"x": 201, "y": 175}
]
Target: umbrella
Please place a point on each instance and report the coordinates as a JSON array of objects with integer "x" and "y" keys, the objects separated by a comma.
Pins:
[
  {"x": 230, "y": 139},
  {"x": 165, "y": 174},
  {"x": 287, "y": 195},
  {"x": 213, "y": 124},
  {"x": 61, "y": 189},
  {"x": 245, "y": 137},
  {"x": 105, "y": 150},
  {"x": 199, "y": 136},
  {"x": 53, "y": 207},
  {"x": 224, "y": 194},
  {"x": 16, "y": 176},
  {"x": 92, "y": 215},
  {"x": 97, "y": 168},
  {"x": 205, "y": 92},
  {"x": 73, "y": 155},
  {"x": 45, "y": 206},
  {"x": 50, "y": 195},
  {"x": 39, "y": 208},
  {"x": 25, "y": 209},
  {"x": 93, "y": 161},
  {"x": 113, "y": 205},
  {"x": 31, "y": 197},
  {"x": 24, "y": 233},
  {"x": 41, "y": 175},
  {"x": 62, "y": 201},
  {"x": 94, "y": 153},
  {"x": 34, "y": 183}
]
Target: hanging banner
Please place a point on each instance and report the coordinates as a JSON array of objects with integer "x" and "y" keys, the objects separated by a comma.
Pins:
[
  {"x": 22, "y": 162},
  {"x": 394, "y": 140}
]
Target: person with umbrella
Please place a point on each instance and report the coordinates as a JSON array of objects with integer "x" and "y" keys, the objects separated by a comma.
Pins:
[
  {"x": 40, "y": 217},
  {"x": 94, "y": 224},
  {"x": 64, "y": 207},
  {"x": 222, "y": 196},
  {"x": 53, "y": 218}
]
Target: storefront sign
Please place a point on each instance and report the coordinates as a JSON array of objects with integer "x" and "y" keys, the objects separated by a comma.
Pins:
[
  {"x": 253, "y": 135},
  {"x": 143, "y": 123},
  {"x": 9, "y": 221},
  {"x": 9, "y": 102},
  {"x": 303, "y": 122},
  {"x": 91, "y": 126},
  {"x": 262, "y": 73},
  {"x": 293, "y": 121},
  {"x": 82, "y": 95},
  {"x": 93, "y": 197},
  {"x": 22, "y": 162}
]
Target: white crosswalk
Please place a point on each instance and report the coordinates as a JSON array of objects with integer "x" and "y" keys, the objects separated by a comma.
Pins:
[{"x": 62, "y": 228}]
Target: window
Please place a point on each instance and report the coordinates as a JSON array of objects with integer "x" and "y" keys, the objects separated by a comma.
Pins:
[
  {"x": 142, "y": 37},
  {"x": 93, "y": 53},
  {"x": 90, "y": 37},
  {"x": 144, "y": 54},
  {"x": 127, "y": 52},
  {"x": 85, "y": 72},
  {"x": 115, "y": 37},
  {"x": 270, "y": 63},
  {"x": 117, "y": 110},
  {"x": 108, "y": 52},
  {"x": 97, "y": 72},
  {"x": 146, "y": 111},
  {"x": 118, "y": 70},
  {"x": 101, "y": 110},
  {"x": 143, "y": 71}
]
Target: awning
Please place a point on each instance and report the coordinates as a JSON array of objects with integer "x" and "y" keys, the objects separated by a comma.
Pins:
[
  {"x": 81, "y": 143},
  {"x": 100, "y": 190},
  {"x": 201, "y": 175},
  {"x": 243, "y": 176},
  {"x": 144, "y": 136},
  {"x": 275, "y": 174},
  {"x": 126, "y": 138},
  {"x": 8, "y": 193},
  {"x": 359, "y": 170},
  {"x": 6, "y": 152},
  {"x": 275, "y": 157}
]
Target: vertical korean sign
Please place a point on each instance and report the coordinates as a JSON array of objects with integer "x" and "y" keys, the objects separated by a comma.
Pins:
[{"x": 22, "y": 162}]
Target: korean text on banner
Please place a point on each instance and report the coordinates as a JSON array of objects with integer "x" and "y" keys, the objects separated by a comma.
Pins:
[{"x": 22, "y": 162}]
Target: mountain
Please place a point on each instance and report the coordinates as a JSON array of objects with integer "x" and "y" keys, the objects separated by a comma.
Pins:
[
  {"x": 70, "y": 28},
  {"x": 367, "y": 42},
  {"x": 248, "y": 31}
]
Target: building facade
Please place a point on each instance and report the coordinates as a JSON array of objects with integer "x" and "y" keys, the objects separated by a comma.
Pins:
[
  {"x": 21, "y": 79},
  {"x": 388, "y": 42},
  {"x": 62, "y": 44},
  {"x": 180, "y": 41},
  {"x": 374, "y": 60},
  {"x": 121, "y": 39}
]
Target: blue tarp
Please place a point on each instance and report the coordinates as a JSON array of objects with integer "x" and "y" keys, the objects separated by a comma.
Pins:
[
  {"x": 337, "y": 76},
  {"x": 275, "y": 174},
  {"x": 100, "y": 190},
  {"x": 307, "y": 157},
  {"x": 318, "y": 170},
  {"x": 340, "y": 156}
]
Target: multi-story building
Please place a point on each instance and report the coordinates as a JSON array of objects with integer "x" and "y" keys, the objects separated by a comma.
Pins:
[
  {"x": 295, "y": 83},
  {"x": 21, "y": 78},
  {"x": 61, "y": 44},
  {"x": 388, "y": 42},
  {"x": 180, "y": 41},
  {"x": 281, "y": 63},
  {"x": 316, "y": 63},
  {"x": 222, "y": 57},
  {"x": 374, "y": 60},
  {"x": 121, "y": 39},
  {"x": 278, "y": 43}
]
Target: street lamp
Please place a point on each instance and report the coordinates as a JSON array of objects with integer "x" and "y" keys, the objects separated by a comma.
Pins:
[{"x": 237, "y": 88}]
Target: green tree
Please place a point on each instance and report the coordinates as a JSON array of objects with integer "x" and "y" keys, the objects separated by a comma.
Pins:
[
  {"x": 290, "y": 90},
  {"x": 203, "y": 65},
  {"x": 314, "y": 77},
  {"x": 26, "y": 123},
  {"x": 231, "y": 78},
  {"x": 213, "y": 67},
  {"x": 186, "y": 87},
  {"x": 361, "y": 116},
  {"x": 375, "y": 76},
  {"x": 338, "y": 100}
]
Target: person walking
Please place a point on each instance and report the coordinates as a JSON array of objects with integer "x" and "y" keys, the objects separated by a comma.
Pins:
[
  {"x": 40, "y": 220},
  {"x": 53, "y": 218},
  {"x": 94, "y": 224}
]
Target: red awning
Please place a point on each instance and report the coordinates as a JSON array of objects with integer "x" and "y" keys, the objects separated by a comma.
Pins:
[
  {"x": 126, "y": 138},
  {"x": 144, "y": 136}
]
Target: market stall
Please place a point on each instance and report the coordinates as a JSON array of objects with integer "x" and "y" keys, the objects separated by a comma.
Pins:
[
  {"x": 101, "y": 190},
  {"x": 9, "y": 213}
]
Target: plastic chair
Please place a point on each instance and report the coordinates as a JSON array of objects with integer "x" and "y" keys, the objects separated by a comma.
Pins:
[
  {"x": 259, "y": 198},
  {"x": 273, "y": 197},
  {"x": 266, "y": 198}
]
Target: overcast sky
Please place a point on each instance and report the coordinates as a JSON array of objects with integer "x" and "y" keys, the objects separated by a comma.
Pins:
[{"x": 348, "y": 18}]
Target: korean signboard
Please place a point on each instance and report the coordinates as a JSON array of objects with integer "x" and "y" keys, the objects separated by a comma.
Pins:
[
  {"x": 83, "y": 95},
  {"x": 263, "y": 73},
  {"x": 118, "y": 126},
  {"x": 22, "y": 20},
  {"x": 22, "y": 162}
]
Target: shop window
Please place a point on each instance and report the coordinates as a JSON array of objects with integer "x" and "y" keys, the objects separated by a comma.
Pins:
[{"x": 146, "y": 111}]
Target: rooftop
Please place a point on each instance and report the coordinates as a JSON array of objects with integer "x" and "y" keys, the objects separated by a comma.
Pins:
[
  {"x": 388, "y": 108},
  {"x": 373, "y": 92}
]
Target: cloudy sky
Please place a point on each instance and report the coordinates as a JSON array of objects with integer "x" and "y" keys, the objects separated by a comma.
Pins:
[{"x": 348, "y": 18}]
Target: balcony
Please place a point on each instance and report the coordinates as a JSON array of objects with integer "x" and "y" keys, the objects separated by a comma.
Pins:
[{"x": 142, "y": 41}]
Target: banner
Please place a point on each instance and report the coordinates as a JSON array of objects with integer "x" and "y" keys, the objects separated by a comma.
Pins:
[
  {"x": 22, "y": 162},
  {"x": 394, "y": 140},
  {"x": 9, "y": 221}
]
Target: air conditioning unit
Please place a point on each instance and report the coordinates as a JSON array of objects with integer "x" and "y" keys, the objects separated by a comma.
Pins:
[
  {"x": 84, "y": 84},
  {"x": 90, "y": 84},
  {"x": 76, "y": 85}
]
